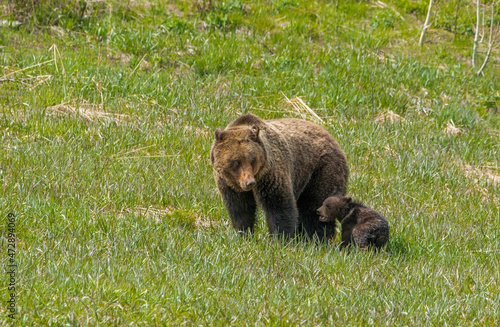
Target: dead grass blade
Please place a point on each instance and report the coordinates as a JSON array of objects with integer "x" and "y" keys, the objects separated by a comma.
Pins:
[
  {"x": 26, "y": 68},
  {"x": 299, "y": 108},
  {"x": 155, "y": 156},
  {"x": 30, "y": 82},
  {"x": 452, "y": 130},
  {"x": 136, "y": 150},
  {"x": 135, "y": 154},
  {"x": 136, "y": 66}
]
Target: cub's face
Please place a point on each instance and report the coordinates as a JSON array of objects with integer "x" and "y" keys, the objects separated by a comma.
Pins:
[
  {"x": 237, "y": 156},
  {"x": 333, "y": 208}
]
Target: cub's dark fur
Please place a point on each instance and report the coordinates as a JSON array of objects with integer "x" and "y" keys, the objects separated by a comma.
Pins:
[{"x": 360, "y": 225}]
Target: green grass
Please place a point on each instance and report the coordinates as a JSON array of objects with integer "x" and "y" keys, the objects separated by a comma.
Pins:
[{"x": 113, "y": 113}]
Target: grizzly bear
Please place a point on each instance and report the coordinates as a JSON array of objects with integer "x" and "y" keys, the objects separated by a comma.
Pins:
[
  {"x": 362, "y": 226},
  {"x": 288, "y": 166}
]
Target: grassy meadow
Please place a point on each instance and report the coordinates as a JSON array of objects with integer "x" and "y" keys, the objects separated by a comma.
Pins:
[{"x": 108, "y": 112}]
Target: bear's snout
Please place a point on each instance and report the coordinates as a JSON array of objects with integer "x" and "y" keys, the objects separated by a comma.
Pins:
[
  {"x": 247, "y": 181},
  {"x": 250, "y": 182},
  {"x": 322, "y": 215}
]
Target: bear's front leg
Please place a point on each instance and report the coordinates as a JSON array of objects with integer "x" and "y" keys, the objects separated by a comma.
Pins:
[
  {"x": 347, "y": 236},
  {"x": 281, "y": 211},
  {"x": 240, "y": 206}
]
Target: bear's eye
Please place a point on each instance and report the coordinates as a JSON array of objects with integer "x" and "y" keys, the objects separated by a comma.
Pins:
[
  {"x": 253, "y": 162},
  {"x": 235, "y": 164},
  {"x": 328, "y": 206}
]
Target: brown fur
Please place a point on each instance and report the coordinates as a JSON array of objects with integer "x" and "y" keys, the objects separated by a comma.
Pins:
[
  {"x": 288, "y": 166},
  {"x": 360, "y": 225}
]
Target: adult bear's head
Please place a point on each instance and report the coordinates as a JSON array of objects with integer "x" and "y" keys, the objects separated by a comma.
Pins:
[{"x": 238, "y": 155}]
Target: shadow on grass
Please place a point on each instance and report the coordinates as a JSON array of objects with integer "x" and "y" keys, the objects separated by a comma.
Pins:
[{"x": 401, "y": 247}]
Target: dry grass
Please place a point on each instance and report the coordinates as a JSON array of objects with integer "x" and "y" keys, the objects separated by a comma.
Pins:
[
  {"x": 198, "y": 132},
  {"x": 483, "y": 174},
  {"x": 158, "y": 215},
  {"x": 122, "y": 58},
  {"x": 86, "y": 111},
  {"x": 388, "y": 151},
  {"x": 451, "y": 130},
  {"x": 30, "y": 82},
  {"x": 149, "y": 213},
  {"x": 297, "y": 107},
  {"x": 122, "y": 235},
  {"x": 140, "y": 153},
  {"x": 389, "y": 117},
  {"x": 204, "y": 222},
  {"x": 6, "y": 75}
]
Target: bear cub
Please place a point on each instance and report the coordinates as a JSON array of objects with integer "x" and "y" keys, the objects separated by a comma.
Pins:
[{"x": 361, "y": 226}]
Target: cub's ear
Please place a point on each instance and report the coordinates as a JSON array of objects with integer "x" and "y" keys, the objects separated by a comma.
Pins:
[
  {"x": 254, "y": 132},
  {"x": 219, "y": 135},
  {"x": 348, "y": 199}
]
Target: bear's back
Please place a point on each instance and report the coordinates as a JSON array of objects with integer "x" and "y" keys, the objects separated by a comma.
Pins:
[
  {"x": 367, "y": 215},
  {"x": 302, "y": 138},
  {"x": 371, "y": 229}
]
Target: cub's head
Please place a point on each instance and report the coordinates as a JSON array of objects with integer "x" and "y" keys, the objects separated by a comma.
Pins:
[
  {"x": 333, "y": 208},
  {"x": 237, "y": 156}
]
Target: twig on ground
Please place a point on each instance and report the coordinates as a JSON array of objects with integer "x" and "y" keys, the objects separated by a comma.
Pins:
[
  {"x": 476, "y": 36},
  {"x": 490, "y": 42},
  {"x": 426, "y": 24}
]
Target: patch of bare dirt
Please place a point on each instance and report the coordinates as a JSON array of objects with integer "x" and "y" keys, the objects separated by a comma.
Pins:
[
  {"x": 389, "y": 117},
  {"x": 488, "y": 174},
  {"x": 86, "y": 111}
]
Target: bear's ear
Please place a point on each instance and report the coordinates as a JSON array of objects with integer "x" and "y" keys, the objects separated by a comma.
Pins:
[
  {"x": 348, "y": 199},
  {"x": 254, "y": 132},
  {"x": 219, "y": 135}
]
